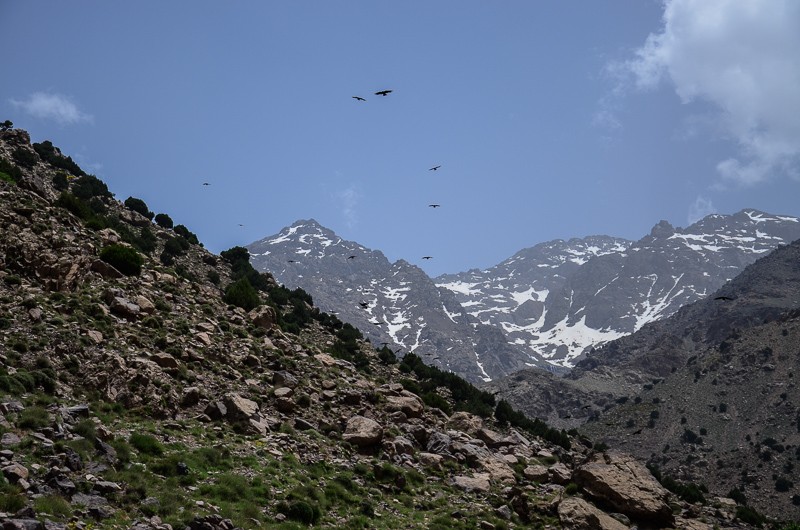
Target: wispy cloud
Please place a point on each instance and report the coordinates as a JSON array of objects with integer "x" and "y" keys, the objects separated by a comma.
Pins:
[
  {"x": 742, "y": 57},
  {"x": 700, "y": 208},
  {"x": 348, "y": 199},
  {"x": 52, "y": 107}
]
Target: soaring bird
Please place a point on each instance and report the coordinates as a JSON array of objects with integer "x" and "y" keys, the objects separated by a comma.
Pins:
[
  {"x": 435, "y": 205},
  {"x": 427, "y": 257},
  {"x": 364, "y": 304},
  {"x": 291, "y": 261},
  {"x": 358, "y": 98},
  {"x": 434, "y": 168},
  {"x": 383, "y": 92},
  {"x": 240, "y": 224},
  {"x": 205, "y": 184},
  {"x": 723, "y": 298},
  {"x": 351, "y": 257},
  {"x": 378, "y": 323}
]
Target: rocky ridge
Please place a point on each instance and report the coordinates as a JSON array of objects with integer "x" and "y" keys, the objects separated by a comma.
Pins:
[{"x": 145, "y": 400}]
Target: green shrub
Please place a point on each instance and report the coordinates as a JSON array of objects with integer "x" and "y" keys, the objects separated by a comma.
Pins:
[
  {"x": 54, "y": 505},
  {"x": 186, "y": 234},
  {"x": 24, "y": 157},
  {"x": 123, "y": 258},
  {"x": 146, "y": 444},
  {"x": 300, "y": 511},
  {"x": 139, "y": 206},
  {"x": 750, "y": 516},
  {"x": 241, "y": 294},
  {"x": 89, "y": 186},
  {"x": 50, "y": 154},
  {"x": 738, "y": 495},
  {"x": 164, "y": 221},
  {"x": 33, "y": 418},
  {"x": 12, "y": 499},
  {"x": 13, "y": 172}
]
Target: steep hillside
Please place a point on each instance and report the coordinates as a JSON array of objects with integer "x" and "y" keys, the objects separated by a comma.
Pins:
[{"x": 146, "y": 383}]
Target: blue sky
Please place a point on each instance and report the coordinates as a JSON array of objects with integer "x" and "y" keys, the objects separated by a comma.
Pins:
[{"x": 549, "y": 119}]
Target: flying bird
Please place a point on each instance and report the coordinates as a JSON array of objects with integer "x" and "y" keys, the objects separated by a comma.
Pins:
[
  {"x": 378, "y": 323},
  {"x": 434, "y": 168},
  {"x": 358, "y": 98},
  {"x": 427, "y": 257},
  {"x": 240, "y": 224},
  {"x": 383, "y": 92},
  {"x": 723, "y": 298},
  {"x": 435, "y": 205},
  {"x": 291, "y": 261},
  {"x": 205, "y": 184},
  {"x": 364, "y": 304},
  {"x": 351, "y": 257}
]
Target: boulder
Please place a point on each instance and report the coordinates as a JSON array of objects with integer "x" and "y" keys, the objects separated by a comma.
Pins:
[
  {"x": 577, "y": 514},
  {"x": 263, "y": 317},
  {"x": 620, "y": 482},
  {"x": 478, "y": 482},
  {"x": 465, "y": 422},
  {"x": 409, "y": 404},
  {"x": 536, "y": 473},
  {"x": 363, "y": 432},
  {"x": 239, "y": 408}
]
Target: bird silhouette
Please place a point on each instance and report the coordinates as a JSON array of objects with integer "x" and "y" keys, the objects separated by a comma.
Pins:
[
  {"x": 383, "y": 92},
  {"x": 351, "y": 257},
  {"x": 291, "y": 261},
  {"x": 427, "y": 257},
  {"x": 435, "y": 205},
  {"x": 434, "y": 168},
  {"x": 240, "y": 224},
  {"x": 723, "y": 298},
  {"x": 364, "y": 304},
  {"x": 206, "y": 184},
  {"x": 358, "y": 98},
  {"x": 378, "y": 323}
]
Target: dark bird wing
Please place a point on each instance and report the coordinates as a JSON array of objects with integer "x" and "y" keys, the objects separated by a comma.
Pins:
[
  {"x": 358, "y": 98},
  {"x": 351, "y": 257},
  {"x": 383, "y": 92},
  {"x": 434, "y": 205},
  {"x": 434, "y": 168},
  {"x": 427, "y": 257}
]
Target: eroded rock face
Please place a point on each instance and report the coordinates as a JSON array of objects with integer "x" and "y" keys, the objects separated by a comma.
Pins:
[
  {"x": 263, "y": 317},
  {"x": 363, "y": 432},
  {"x": 619, "y": 481}
]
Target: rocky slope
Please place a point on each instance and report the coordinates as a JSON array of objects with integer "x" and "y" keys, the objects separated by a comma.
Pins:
[{"x": 151, "y": 398}]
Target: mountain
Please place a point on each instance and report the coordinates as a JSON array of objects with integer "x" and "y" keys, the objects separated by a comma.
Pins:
[
  {"x": 562, "y": 298},
  {"x": 706, "y": 395},
  {"x": 395, "y": 302},
  {"x": 546, "y": 306}
]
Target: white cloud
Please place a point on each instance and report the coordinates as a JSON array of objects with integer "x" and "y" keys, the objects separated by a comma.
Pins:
[
  {"x": 349, "y": 200},
  {"x": 52, "y": 107},
  {"x": 742, "y": 56},
  {"x": 700, "y": 208}
]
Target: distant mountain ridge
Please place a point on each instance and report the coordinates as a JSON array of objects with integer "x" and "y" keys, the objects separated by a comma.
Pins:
[{"x": 546, "y": 306}]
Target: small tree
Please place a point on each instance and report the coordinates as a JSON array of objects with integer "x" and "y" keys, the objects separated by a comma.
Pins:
[
  {"x": 6, "y": 125},
  {"x": 138, "y": 205},
  {"x": 125, "y": 259},
  {"x": 163, "y": 220},
  {"x": 90, "y": 186},
  {"x": 241, "y": 294}
]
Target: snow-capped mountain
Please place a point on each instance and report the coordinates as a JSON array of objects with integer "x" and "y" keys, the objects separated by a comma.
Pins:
[
  {"x": 545, "y": 306},
  {"x": 561, "y": 298},
  {"x": 396, "y": 303}
]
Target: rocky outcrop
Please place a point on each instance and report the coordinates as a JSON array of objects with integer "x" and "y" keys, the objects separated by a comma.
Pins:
[{"x": 619, "y": 481}]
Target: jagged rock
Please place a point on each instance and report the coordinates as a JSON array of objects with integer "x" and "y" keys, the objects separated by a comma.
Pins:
[
  {"x": 23, "y": 524},
  {"x": 95, "y": 336},
  {"x": 283, "y": 392},
  {"x": 304, "y": 425},
  {"x": 577, "y": 514},
  {"x": 430, "y": 460},
  {"x": 133, "y": 218},
  {"x": 190, "y": 397},
  {"x": 203, "y": 337},
  {"x": 497, "y": 469},
  {"x": 560, "y": 473},
  {"x": 165, "y": 360},
  {"x": 239, "y": 408},
  {"x": 283, "y": 378},
  {"x": 145, "y": 305},
  {"x": 124, "y": 308},
  {"x": 263, "y": 317},
  {"x": 109, "y": 236},
  {"x": 9, "y": 438},
  {"x": 15, "y": 472},
  {"x": 285, "y": 405},
  {"x": 105, "y": 270},
  {"x": 616, "y": 479},
  {"x": 325, "y": 359},
  {"x": 409, "y": 404},
  {"x": 479, "y": 482},
  {"x": 537, "y": 473},
  {"x": 252, "y": 361},
  {"x": 216, "y": 410},
  {"x": 465, "y": 422},
  {"x": 492, "y": 438},
  {"x": 363, "y": 432}
]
